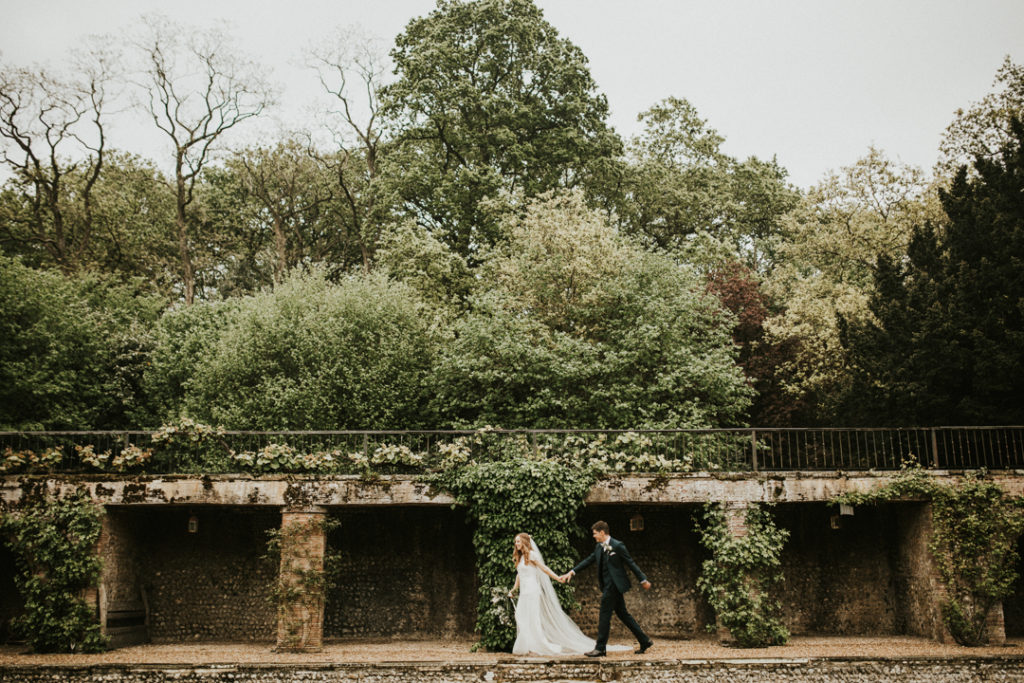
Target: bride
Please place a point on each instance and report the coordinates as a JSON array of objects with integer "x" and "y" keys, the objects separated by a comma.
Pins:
[{"x": 541, "y": 625}]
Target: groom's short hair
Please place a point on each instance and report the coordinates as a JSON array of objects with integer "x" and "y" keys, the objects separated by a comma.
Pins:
[{"x": 601, "y": 526}]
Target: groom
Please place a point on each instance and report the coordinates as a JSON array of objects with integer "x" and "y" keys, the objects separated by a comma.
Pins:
[{"x": 610, "y": 556}]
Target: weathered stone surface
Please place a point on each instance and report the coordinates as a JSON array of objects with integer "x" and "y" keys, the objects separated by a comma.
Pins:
[
  {"x": 996, "y": 669},
  {"x": 406, "y": 572},
  {"x": 303, "y": 491}
]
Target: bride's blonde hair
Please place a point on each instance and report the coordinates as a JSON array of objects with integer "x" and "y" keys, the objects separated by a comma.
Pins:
[{"x": 525, "y": 552}]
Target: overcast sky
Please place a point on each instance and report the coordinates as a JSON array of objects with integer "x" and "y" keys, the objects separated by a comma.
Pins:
[{"x": 812, "y": 82}]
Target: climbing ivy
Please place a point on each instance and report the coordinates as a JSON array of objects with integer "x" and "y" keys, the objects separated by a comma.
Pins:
[
  {"x": 738, "y": 577},
  {"x": 54, "y": 544},
  {"x": 975, "y": 528},
  {"x": 516, "y": 491}
]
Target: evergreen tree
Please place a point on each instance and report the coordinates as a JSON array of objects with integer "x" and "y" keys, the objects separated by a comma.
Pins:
[{"x": 947, "y": 346}]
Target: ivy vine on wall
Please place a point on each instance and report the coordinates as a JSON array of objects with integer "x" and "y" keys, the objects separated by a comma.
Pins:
[
  {"x": 54, "y": 545},
  {"x": 975, "y": 528},
  {"x": 738, "y": 578},
  {"x": 510, "y": 493}
]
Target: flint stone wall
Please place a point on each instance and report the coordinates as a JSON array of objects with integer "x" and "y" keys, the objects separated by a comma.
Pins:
[
  {"x": 208, "y": 585},
  {"x": 668, "y": 552},
  {"x": 406, "y": 572},
  {"x": 755, "y": 671}
]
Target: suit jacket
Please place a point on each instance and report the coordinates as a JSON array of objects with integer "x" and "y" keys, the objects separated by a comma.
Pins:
[{"x": 615, "y": 563}]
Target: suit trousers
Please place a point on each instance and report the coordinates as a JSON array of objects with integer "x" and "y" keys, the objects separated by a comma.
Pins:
[{"x": 613, "y": 601}]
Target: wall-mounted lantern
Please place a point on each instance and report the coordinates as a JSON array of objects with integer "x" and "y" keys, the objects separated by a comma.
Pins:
[
  {"x": 636, "y": 522},
  {"x": 193, "y": 524}
]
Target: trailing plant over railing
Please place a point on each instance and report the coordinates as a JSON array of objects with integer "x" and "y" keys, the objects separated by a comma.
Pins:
[
  {"x": 738, "y": 578},
  {"x": 975, "y": 529},
  {"x": 512, "y": 490},
  {"x": 190, "y": 446},
  {"x": 54, "y": 545}
]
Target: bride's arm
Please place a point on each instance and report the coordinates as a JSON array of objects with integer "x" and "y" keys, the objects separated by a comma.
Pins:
[{"x": 544, "y": 568}]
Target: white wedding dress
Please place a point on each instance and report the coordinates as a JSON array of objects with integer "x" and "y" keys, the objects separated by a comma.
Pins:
[{"x": 541, "y": 626}]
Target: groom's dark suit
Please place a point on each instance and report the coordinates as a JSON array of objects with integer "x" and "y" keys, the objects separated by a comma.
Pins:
[{"x": 614, "y": 582}]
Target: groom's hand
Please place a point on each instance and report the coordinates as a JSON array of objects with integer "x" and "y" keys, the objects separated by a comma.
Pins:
[{"x": 646, "y": 585}]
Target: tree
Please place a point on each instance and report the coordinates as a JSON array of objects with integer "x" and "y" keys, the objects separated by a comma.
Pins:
[
  {"x": 575, "y": 326},
  {"x": 682, "y": 184},
  {"x": 350, "y": 68},
  {"x": 945, "y": 342},
  {"x": 315, "y": 355},
  {"x": 53, "y": 130},
  {"x": 983, "y": 129},
  {"x": 489, "y": 101},
  {"x": 197, "y": 91},
  {"x": 833, "y": 239},
  {"x": 72, "y": 350},
  {"x": 276, "y": 203}
]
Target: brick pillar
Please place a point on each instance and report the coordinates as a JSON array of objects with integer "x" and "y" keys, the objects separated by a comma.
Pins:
[
  {"x": 925, "y": 592},
  {"x": 736, "y": 521},
  {"x": 736, "y": 518},
  {"x": 995, "y": 626},
  {"x": 119, "y": 596},
  {"x": 300, "y": 610}
]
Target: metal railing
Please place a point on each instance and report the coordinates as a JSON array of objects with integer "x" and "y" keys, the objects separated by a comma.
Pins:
[{"x": 685, "y": 450}]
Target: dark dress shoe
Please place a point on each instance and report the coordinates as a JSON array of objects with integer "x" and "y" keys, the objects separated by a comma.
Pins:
[
  {"x": 596, "y": 653},
  {"x": 645, "y": 647}
]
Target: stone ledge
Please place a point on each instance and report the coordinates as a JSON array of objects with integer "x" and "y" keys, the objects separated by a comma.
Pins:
[{"x": 303, "y": 491}]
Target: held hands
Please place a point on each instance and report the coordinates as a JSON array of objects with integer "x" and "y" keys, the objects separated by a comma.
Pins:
[{"x": 564, "y": 578}]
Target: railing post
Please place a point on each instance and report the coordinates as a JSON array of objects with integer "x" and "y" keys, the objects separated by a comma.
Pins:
[
  {"x": 753, "y": 448},
  {"x": 366, "y": 446},
  {"x": 533, "y": 442},
  {"x": 935, "y": 449}
]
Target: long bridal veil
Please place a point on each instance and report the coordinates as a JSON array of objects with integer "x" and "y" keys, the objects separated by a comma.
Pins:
[{"x": 558, "y": 633}]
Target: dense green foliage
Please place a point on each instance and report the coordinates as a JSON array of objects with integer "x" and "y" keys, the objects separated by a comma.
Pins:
[
  {"x": 509, "y": 494},
  {"x": 532, "y": 268},
  {"x": 974, "y": 542},
  {"x": 73, "y": 350},
  {"x": 738, "y": 578},
  {"x": 54, "y": 544},
  {"x": 947, "y": 342},
  {"x": 577, "y": 326},
  {"x": 489, "y": 99},
  {"x": 312, "y": 354}
]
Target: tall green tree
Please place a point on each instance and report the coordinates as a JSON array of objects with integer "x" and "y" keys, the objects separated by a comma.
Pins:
[
  {"x": 827, "y": 271},
  {"x": 574, "y": 325},
  {"x": 983, "y": 128},
  {"x": 947, "y": 343},
  {"x": 489, "y": 100},
  {"x": 682, "y": 184}
]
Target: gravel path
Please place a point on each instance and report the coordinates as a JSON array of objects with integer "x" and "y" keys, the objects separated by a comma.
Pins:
[{"x": 369, "y": 651}]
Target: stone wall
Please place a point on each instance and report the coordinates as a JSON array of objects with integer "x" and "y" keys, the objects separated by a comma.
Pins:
[
  {"x": 407, "y": 572},
  {"x": 668, "y": 551},
  {"x": 810, "y": 671},
  {"x": 11, "y": 603},
  {"x": 208, "y": 585},
  {"x": 840, "y": 581},
  {"x": 1013, "y": 607}
]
